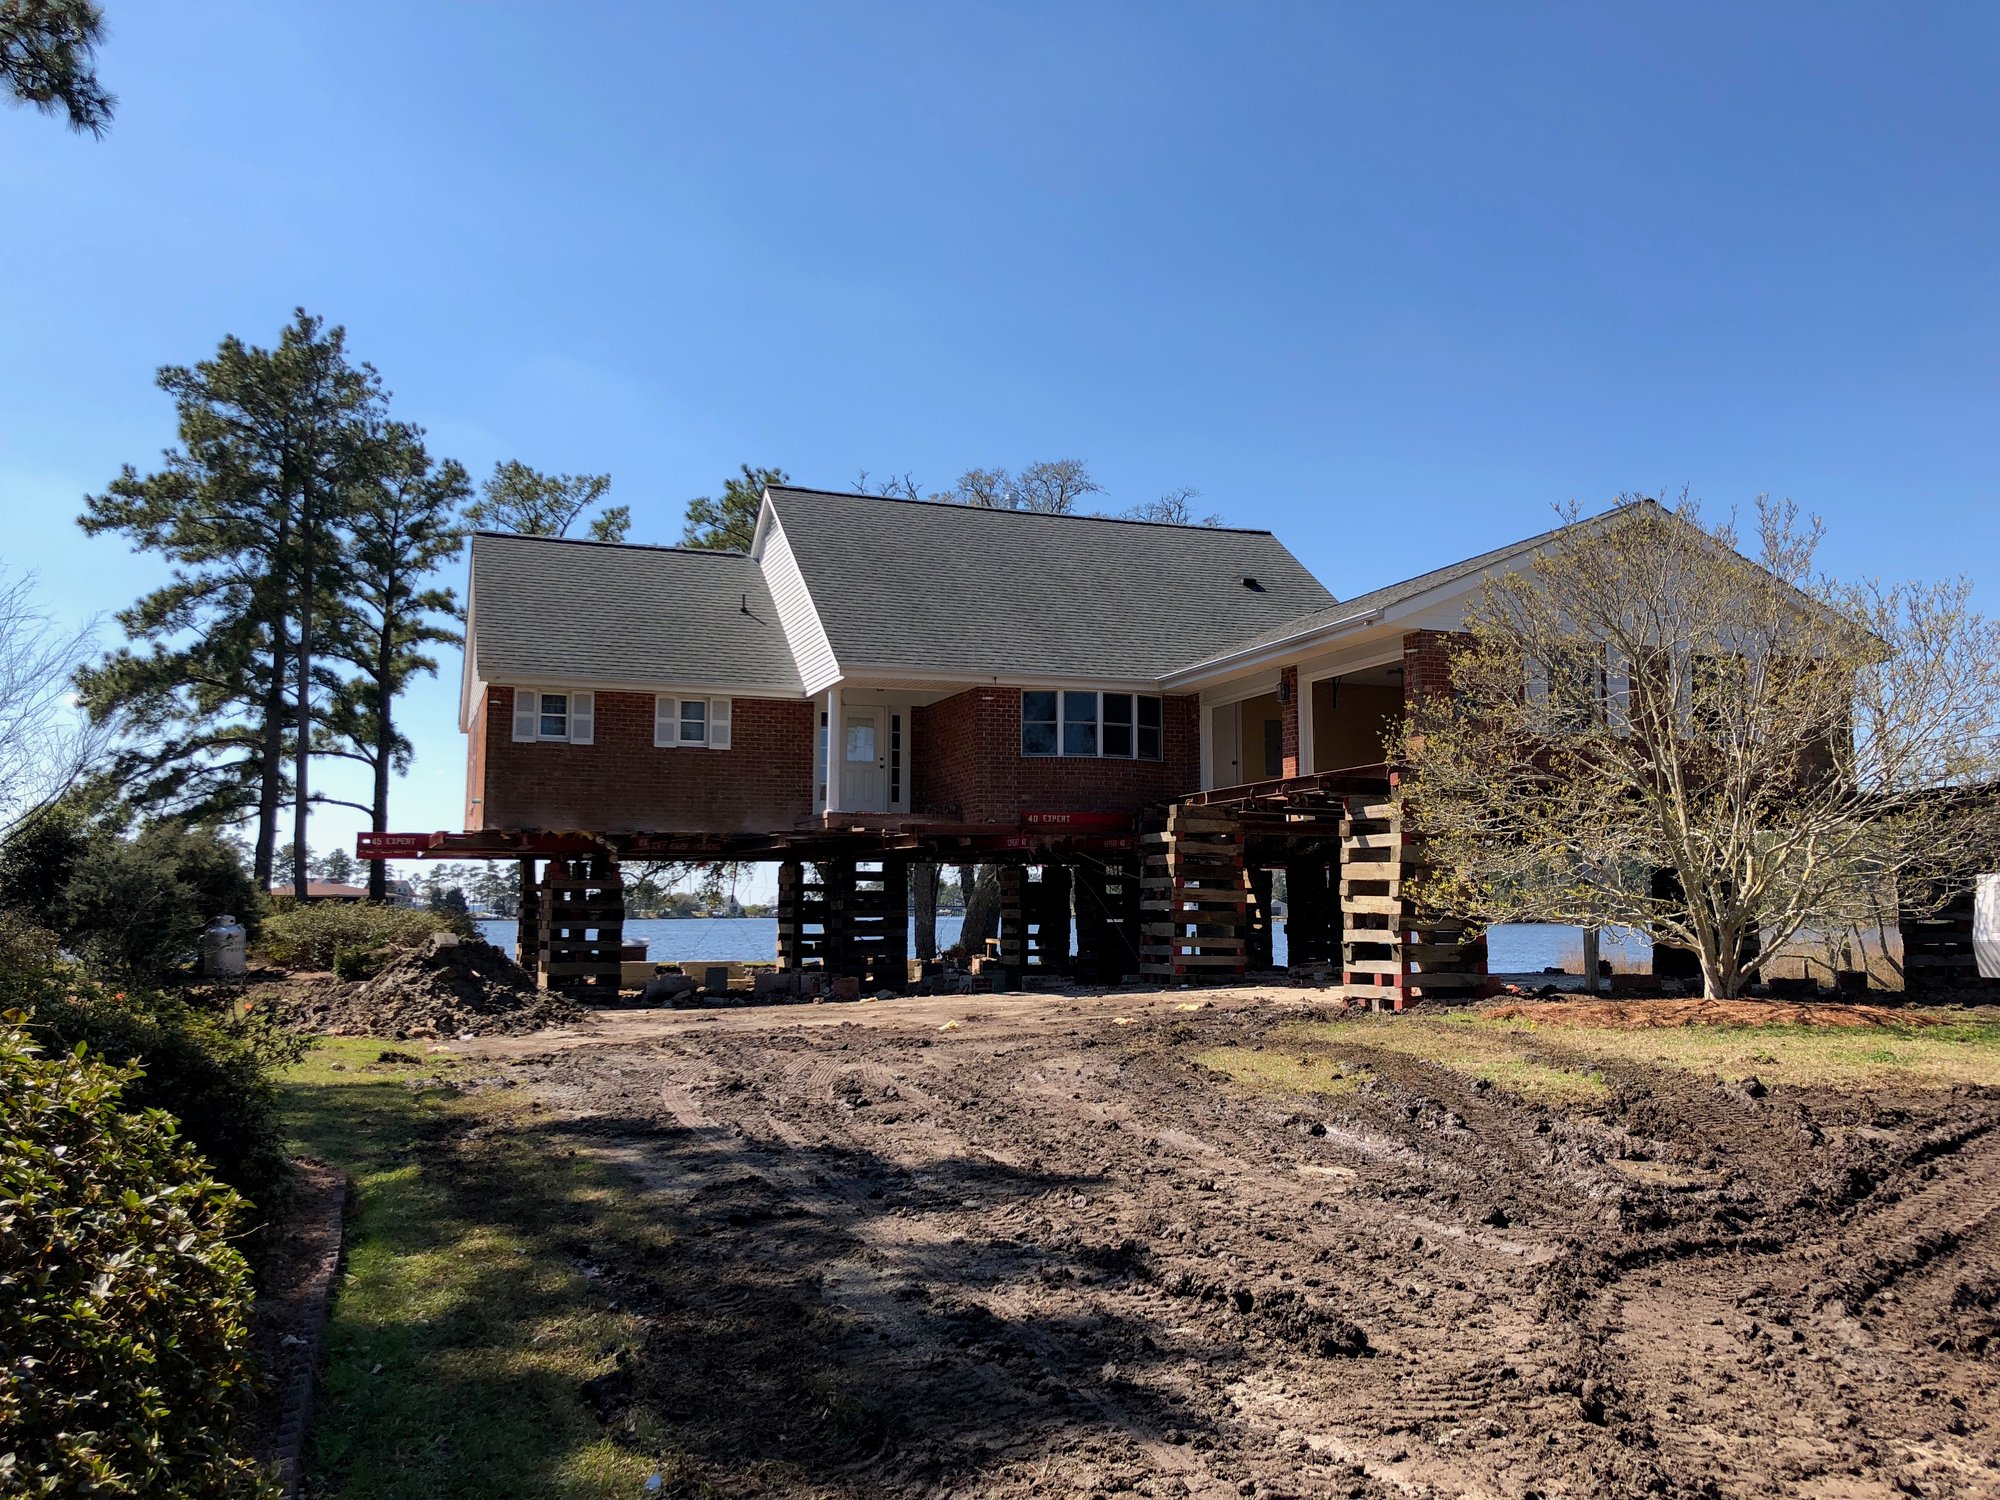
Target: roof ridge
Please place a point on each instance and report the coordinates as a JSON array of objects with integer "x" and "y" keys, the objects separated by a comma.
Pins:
[
  {"x": 591, "y": 541},
  {"x": 1001, "y": 510}
]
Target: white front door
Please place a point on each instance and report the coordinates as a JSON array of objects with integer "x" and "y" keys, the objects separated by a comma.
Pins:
[
  {"x": 864, "y": 760},
  {"x": 1225, "y": 743}
]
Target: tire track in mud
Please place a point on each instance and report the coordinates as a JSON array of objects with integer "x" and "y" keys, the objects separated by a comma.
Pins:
[
  {"x": 1073, "y": 1263},
  {"x": 916, "y": 1249},
  {"x": 1760, "y": 1358}
]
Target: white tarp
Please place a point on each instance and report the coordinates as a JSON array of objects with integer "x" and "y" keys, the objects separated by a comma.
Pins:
[{"x": 1986, "y": 926}]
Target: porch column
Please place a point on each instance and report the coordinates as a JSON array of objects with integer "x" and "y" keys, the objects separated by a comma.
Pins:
[
  {"x": 1289, "y": 710},
  {"x": 836, "y": 751}
]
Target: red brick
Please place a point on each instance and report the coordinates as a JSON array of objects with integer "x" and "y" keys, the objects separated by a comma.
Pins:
[
  {"x": 967, "y": 763},
  {"x": 623, "y": 783}
]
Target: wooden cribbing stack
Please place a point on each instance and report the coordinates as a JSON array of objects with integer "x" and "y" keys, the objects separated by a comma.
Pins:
[
  {"x": 801, "y": 917},
  {"x": 1938, "y": 957},
  {"x": 868, "y": 919},
  {"x": 1194, "y": 898},
  {"x": 1012, "y": 928},
  {"x": 1107, "y": 920},
  {"x": 580, "y": 925},
  {"x": 1391, "y": 955},
  {"x": 1034, "y": 918}
]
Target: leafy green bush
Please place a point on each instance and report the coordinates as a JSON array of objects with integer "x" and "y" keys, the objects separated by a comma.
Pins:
[
  {"x": 123, "y": 1306},
  {"x": 36, "y": 863},
  {"x": 211, "y": 1072},
  {"x": 30, "y": 956},
  {"x": 138, "y": 905},
  {"x": 210, "y": 1069},
  {"x": 351, "y": 938}
]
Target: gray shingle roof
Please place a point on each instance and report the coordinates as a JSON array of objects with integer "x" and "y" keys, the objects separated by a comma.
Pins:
[
  {"x": 1393, "y": 594},
  {"x": 955, "y": 589},
  {"x": 550, "y": 608}
]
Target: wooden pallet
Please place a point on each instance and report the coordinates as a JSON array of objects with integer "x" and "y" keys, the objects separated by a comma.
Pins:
[
  {"x": 1195, "y": 898},
  {"x": 1938, "y": 956},
  {"x": 801, "y": 917},
  {"x": 1391, "y": 954},
  {"x": 1107, "y": 920},
  {"x": 580, "y": 925}
]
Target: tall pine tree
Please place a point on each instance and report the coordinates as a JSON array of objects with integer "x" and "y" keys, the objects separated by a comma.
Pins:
[
  {"x": 404, "y": 523},
  {"x": 249, "y": 509}
]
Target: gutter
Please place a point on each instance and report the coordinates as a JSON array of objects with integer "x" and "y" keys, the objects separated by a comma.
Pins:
[{"x": 1258, "y": 656}]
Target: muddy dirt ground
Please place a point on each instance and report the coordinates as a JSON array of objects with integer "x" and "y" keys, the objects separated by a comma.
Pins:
[{"x": 1044, "y": 1253}]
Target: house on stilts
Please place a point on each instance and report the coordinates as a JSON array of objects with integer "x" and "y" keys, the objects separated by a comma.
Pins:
[{"x": 1137, "y": 722}]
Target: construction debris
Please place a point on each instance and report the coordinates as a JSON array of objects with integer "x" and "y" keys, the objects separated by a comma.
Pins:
[{"x": 449, "y": 988}]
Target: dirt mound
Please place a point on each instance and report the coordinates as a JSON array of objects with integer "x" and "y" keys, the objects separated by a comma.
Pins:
[
  {"x": 1626, "y": 1014},
  {"x": 448, "y": 988}
]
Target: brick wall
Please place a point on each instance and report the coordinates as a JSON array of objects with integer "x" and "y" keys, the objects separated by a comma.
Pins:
[
  {"x": 1288, "y": 698},
  {"x": 624, "y": 784},
  {"x": 1427, "y": 662},
  {"x": 967, "y": 763}
]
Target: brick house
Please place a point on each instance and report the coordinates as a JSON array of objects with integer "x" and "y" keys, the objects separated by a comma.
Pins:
[
  {"x": 874, "y": 661},
  {"x": 1138, "y": 724}
]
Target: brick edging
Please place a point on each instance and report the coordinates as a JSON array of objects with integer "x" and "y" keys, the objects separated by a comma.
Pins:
[{"x": 312, "y": 1304}]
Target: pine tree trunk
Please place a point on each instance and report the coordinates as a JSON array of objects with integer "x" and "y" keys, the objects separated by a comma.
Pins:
[
  {"x": 385, "y": 741},
  {"x": 1592, "y": 983},
  {"x": 272, "y": 769},
  {"x": 302, "y": 746}
]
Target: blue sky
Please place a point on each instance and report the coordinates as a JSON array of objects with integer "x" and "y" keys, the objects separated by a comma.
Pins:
[{"x": 1389, "y": 280}]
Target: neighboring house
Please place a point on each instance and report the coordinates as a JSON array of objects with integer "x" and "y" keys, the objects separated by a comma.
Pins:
[
  {"x": 965, "y": 667},
  {"x": 322, "y": 890}
]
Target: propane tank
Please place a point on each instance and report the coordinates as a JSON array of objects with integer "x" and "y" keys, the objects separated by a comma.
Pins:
[{"x": 224, "y": 948}]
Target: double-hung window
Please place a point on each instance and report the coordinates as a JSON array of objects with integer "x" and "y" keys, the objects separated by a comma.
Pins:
[
  {"x": 555, "y": 716},
  {"x": 690, "y": 723},
  {"x": 565, "y": 717},
  {"x": 1113, "y": 726}
]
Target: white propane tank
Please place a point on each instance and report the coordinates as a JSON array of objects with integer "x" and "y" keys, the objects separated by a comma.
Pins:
[{"x": 224, "y": 948}]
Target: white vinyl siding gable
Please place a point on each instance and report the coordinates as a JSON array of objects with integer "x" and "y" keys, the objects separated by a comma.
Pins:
[
  {"x": 691, "y": 723},
  {"x": 797, "y": 616}
]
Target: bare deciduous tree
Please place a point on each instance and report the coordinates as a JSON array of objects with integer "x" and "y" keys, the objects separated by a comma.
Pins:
[
  {"x": 46, "y": 746},
  {"x": 1641, "y": 697},
  {"x": 1175, "y": 508}
]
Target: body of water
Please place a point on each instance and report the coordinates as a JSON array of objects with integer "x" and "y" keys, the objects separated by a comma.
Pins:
[{"x": 1511, "y": 949}]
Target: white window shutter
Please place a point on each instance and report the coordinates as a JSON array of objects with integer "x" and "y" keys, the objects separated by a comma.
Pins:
[
  {"x": 582, "y": 718},
  {"x": 666, "y": 722},
  {"x": 1538, "y": 683},
  {"x": 718, "y": 723},
  {"x": 527, "y": 713},
  {"x": 1617, "y": 690}
]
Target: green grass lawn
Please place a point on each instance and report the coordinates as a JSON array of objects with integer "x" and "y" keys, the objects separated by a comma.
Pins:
[
  {"x": 465, "y": 1325},
  {"x": 1915, "y": 1056},
  {"x": 1278, "y": 1070},
  {"x": 1564, "y": 1065}
]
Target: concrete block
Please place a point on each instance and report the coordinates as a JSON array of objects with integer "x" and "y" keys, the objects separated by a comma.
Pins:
[{"x": 667, "y": 989}]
